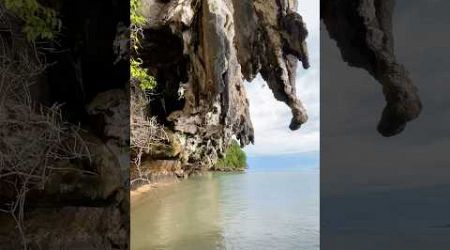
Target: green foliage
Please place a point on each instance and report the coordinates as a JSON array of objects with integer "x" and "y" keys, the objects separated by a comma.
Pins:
[
  {"x": 139, "y": 74},
  {"x": 137, "y": 20},
  {"x": 135, "y": 17},
  {"x": 39, "y": 21},
  {"x": 235, "y": 159}
]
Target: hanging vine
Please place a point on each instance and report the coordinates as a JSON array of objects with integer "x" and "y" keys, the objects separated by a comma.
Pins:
[{"x": 138, "y": 74}]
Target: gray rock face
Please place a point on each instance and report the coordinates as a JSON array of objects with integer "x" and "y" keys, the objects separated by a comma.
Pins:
[
  {"x": 363, "y": 32},
  {"x": 111, "y": 110},
  {"x": 205, "y": 49},
  {"x": 70, "y": 228}
]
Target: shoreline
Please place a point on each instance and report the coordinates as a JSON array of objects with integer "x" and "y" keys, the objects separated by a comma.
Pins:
[{"x": 138, "y": 193}]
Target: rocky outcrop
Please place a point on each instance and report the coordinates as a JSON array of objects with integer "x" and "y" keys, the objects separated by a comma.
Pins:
[
  {"x": 157, "y": 171},
  {"x": 363, "y": 32},
  {"x": 201, "y": 51},
  {"x": 110, "y": 112}
]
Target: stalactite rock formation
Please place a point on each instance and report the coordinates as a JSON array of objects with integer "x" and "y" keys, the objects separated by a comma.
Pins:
[
  {"x": 206, "y": 49},
  {"x": 363, "y": 32}
]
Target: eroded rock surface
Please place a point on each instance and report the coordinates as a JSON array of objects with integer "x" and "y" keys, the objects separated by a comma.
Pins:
[
  {"x": 201, "y": 51},
  {"x": 363, "y": 32}
]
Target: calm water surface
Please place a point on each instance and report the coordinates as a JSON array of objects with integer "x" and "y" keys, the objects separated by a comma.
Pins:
[{"x": 253, "y": 210}]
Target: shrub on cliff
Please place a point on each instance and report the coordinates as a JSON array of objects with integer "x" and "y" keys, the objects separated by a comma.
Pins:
[
  {"x": 235, "y": 159},
  {"x": 39, "y": 21}
]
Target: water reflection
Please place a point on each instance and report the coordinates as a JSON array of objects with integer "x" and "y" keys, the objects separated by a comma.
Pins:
[
  {"x": 256, "y": 210},
  {"x": 182, "y": 216}
]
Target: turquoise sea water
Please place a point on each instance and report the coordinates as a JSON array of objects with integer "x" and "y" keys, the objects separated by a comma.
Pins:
[{"x": 259, "y": 209}]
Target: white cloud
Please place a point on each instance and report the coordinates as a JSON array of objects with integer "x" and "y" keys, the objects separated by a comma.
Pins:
[{"x": 271, "y": 118}]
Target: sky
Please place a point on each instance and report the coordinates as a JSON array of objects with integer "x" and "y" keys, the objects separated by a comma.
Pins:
[{"x": 273, "y": 138}]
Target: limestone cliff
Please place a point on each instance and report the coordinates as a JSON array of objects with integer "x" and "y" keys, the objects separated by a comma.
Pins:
[
  {"x": 363, "y": 32},
  {"x": 202, "y": 51}
]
